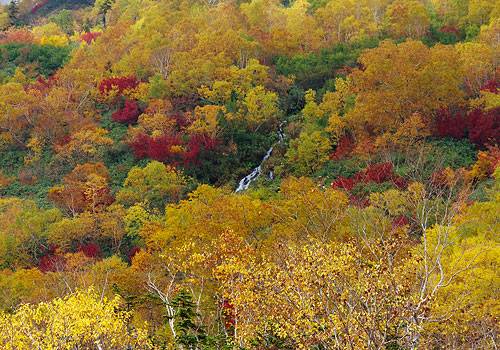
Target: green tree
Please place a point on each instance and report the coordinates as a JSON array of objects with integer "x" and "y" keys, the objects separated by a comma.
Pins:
[
  {"x": 189, "y": 335},
  {"x": 104, "y": 6},
  {"x": 13, "y": 12},
  {"x": 64, "y": 19}
]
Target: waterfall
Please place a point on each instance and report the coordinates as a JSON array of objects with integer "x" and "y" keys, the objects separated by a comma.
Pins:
[{"x": 247, "y": 180}]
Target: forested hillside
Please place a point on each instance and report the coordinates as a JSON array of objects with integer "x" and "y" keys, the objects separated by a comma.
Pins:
[{"x": 258, "y": 174}]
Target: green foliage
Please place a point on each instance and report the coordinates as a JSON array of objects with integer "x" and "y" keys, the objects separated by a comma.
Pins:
[
  {"x": 471, "y": 32},
  {"x": 189, "y": 335},
  {"x": 13, "y": 12},
  {"x": 43, "y": 59},
  {"x": 271, "y": 340},
  {"x": 156, "y": 183},
  {"x": 345, "y": 167},
  {"x": 313, "y": 70},
  {"x": 64, "y": 19},
  {"x": 157, "y": 86},
  {"x": 451, "y": 153}
]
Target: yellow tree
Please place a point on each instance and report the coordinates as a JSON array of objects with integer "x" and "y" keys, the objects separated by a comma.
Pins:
[
  {"x": 490, "y": 35},
  {"x": 154, "y": 121},
  {"x": 24, "y": 228},
  {"x": 453, "y": 253},
  {"x": 477, "y": 63},
  {"x": 84, "y": 145},
  {"x": 14, "y": 103},
  {"x": 157, "y": 183},
  {"x": 306, "y": 211},
  {"x": 347, "y": 20},
  {"x": 83, "y": 319},
  {"x": 259, "y": 107},
  {"x": 308, "y": 152},
  {"x": 305, "y": 32},
  {"x": 407, "y": 18},
  {"x": 399, "y": 81},
  {"x": 84, "y": 189},
  {"x": 321, "y": 295}
]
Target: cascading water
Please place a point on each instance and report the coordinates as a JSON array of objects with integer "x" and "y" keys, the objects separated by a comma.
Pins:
[{"x": 247, "y": 180}]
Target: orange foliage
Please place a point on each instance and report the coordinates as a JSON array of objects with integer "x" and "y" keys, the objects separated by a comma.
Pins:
[{"x": 84, "y": 189}]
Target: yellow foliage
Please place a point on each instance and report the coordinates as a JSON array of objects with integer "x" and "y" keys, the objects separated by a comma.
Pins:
[
  {"x": 154, "y": 120},
  {"x": 403, "y": 81},
  {"x": 407, "y": 18},
  {"x": 55, "y": 40},
  {"x": 157, "y": 183},
  {"x": 259, "y": 107},
  {"x": 49, "y": 29},
  {"x": 319, "y": 294},
  {"x": 239, "y": 81},
  {"x": 205, "y": 120},
  {"x": 85, "y": 145},
  {"x": 308, "y": 152},
  {"x": 82, "y": 320},
  {"x": 36, "y": 146}
]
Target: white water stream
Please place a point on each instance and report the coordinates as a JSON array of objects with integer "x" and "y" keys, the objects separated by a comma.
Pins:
[{"x": 247, "y": 180}]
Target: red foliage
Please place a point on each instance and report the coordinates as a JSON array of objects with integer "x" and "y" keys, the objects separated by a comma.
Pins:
[
  {"x": 50, "y": 261},
  {"x": 185, "y": 102},
  {"x": 484, "y": 128},
  {"x": 480, "y": 127},
  {"x": 438, "y": 179},
  {"x": 41, "y": 85},
  {"x": 100, "y": 197},
  {"x": 38, "y": 6},
  {"x": 89, "y": 37},
  {"x": 64, "y": 140},
  {"x": 493, "y": 155},
  {"x": 360, "y": 201},
  {"x": 378, "y": 173},
  {"x": 50, "y": 82},
  {"x": 450, "y": 29},
  {"x": 450, "y": 124},
  {"x": 122, "y": 83},
  {"x": 401, "y": 220},
  {"x": 343, "y": 183},
  {"x": 228, "y": 313},
  {"x": 20, "y": 35},
  {"x": 181, "y": 122},
  {"x": 90, "y": 250},
  {"x": 345, "y": 147},
  {"x": 344, "y": 70},
  {"x": 129, "y": 113},
  {"x": 132, "y": 253},
  {"x": 492, "y": 86},
  {"x": 200, "y": 145},
  {"x": 159, "y": 149}
]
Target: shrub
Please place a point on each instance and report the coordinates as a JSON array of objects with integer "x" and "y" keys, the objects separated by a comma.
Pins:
[
  {"x": 120, "y": 83},
  {"x": 374, "y": 178},
  {"x": 200, "y": 145},
  {"x": 165, "y": 149},
  {"x": 129, "y": 113},
  {"x": 479, "y": 126}
]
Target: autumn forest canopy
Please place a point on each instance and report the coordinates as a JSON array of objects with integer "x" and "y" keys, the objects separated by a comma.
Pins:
[{"x": 371, "y": 131}]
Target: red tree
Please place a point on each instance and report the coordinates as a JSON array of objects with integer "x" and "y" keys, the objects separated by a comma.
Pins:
[{"x": 89, "y": 37}]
